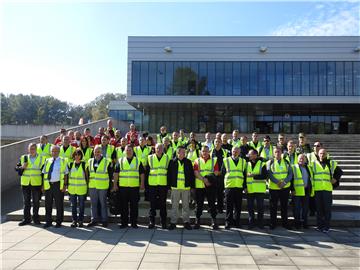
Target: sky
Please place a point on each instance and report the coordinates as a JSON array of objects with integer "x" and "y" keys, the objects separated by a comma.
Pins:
[{"x": 77, "y": 50}]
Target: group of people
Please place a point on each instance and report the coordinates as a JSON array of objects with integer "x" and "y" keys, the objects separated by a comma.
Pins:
[{"x": 224, "y": 171}]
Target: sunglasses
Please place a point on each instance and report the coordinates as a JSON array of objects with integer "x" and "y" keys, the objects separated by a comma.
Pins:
[{"x": 316, "y": 145}]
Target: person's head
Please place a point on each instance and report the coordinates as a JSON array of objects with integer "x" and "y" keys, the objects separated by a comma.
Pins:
[
  {"x": 322, "y": 154},
  {"x": 166, "y": 141},
  {"x": 224, "y": 138},
  {"x": 66, "y": 140},
  {"x": 267, "y": 140},
  {"x": 163, "y": 130},
  {"x": 71, "y": 134},
  {"x": 302, "y": 159},
  {"x": 235, "y": 152},
  {"x": 180, "y": 152},
  {"x": 109, "y": 123},
  {"x": 192, "y": 145},
  {"x": 84, "y": 143},
  {"x": 149, "y": 141},
  {"x": 302, "y": 139},
  {"x": 254, "y": 137},
  {"x": 243, "y": 140},
  {"x": 32, "y": 149},
  {"x": 97, "y": 152},
  {"x": 277, "y": 153},
  {"x": 63, "y": 131},
  {"x": 142, "y": 141},
  {"x": 87, "y": 132},
  {"x": 117, "y": 134},
  {"x": 132, "y": 127},
  {"x": 101, "y": 130},
  {"x": 205, "y": 153},
  {"x": 281, "y": 138},
  {"x": 77, "y": 135},
  {"x": 182, "y": 133},
  {"x": 129, "y": 151},
  {"x": 175, "y": 136},
  {"x": 217, "y": 143},
  {"x": 235, "y": 134},
  {"x": 55, "y": 150},
  {"x": 291, "y": 146},
  {"x": 159, "y": 149},
  {"x": 123, "y": 142},
  {"x": 192, "y": 136},
  {"x": 317, "y": 147},
  {"x": 253, "y": 154},
  {"x": 43, "y": 139},
  {"x": 104, "y": 140},
  {"x": 218, "y": 135},
  {"x": 77, "y": 155}
]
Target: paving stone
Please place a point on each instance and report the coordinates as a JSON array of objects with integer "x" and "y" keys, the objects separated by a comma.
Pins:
[
  {"x": 10, "y": 263},
  {"x": 345, "y": 261},
  {"x": 161, "y": 258},
  {"x": 108, "y": 264},
  {"x": 74, "y": 264},
  {"x": 237, "y": 266},
  {"x": 235, "y": 259},
  {"x": 40, "y": 264},
  {"x": 199, "y": 266},
  {"x": 88, "y": 256},
  {"x": 311, "y": 261},
  {"x": 187, "y": 258},
  {"x": 52, "y": 255},
  {"x": 125, "y": 256},
  {"x": 197, "y": 250},
  {"x": 160, "y": 266},
  {"x": 279, "y": 260},
  {"x": 239, "y": 251}
]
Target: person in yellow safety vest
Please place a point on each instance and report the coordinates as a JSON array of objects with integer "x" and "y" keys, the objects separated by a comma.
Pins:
[
  {"x": 205, "y": 169},
  {"x": 44, "y": 147},
  {"x": 282, "y": 142},
  {"x": 290, "y": 155},
  {"x": 157, "y": 169},
  {"x": 280, "y": 175},
  {"x": 193, "y": 153},
  {"x": 234, "y": 171},
  {"x": 244, "y": 147},
  {"x": 255, "y": 188},
  {"x": 302, "y": 190},
  {"x": 162, "y": 135},
  {"x": 266, "y": 151},
  {"x": 87, "y": 151},
  {"x": 303, "y": 147},
  {"x": 168, "y": 150},
  {"x": 29, "y": 167},
  {"x": 120, "y": 151},
  {"x": 235, "y": 140},
  {"x": 131, "y": 178},
  {"x": 183, "y": 139},
  {"x": 181, "y": 179},
  {"x": 208, "y": 142},
  {"x": 314, "y": 155},
  {"x": 66, "y": 150},
  {"x": 55, "y": 178},
  {"x": 327, "y": 175},
  {"x": 142, "y": 151},
  {"x": 255, "y": 143},
  {"x": 108, "y": 150},
  {"x": 101, "y": 173},
  {"x": 175, "y": 142},
  {"x": 219, "y": 153},
  {"x": 78, "y": 186}
]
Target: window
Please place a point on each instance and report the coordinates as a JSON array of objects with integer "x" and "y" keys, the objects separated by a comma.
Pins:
[
  {"x": 270, "y": 67},
  {"x": 144, "y": 81},
  {"x": 339, "y": 79},
  {"x": 331, "y": 78},
  {"x": 356, "y": 78},
  {"x": 279, "y": 67},
  {"x": 348, "y": 79},
  {"x": 220, "y": 78},
  {"x": 253, "y": 79},
  {"x": 245, "y": 81},
  {"x": 296, "y": 78},
  {"x": 262, "y": 78},
  {"x": 228, "y": 79},
  {"x": 288, "y": 79},
  {"x": 322, "y": 79},
  {"x": 236, "y": 79},
  {"x": 135, "y": 75},
  {"x": 160, "y": 78},
  {"x": 211, "y": 79},
  {"x": 169, "y": 77},
  {"x": 314, "y": 79},
  {"x": 152, "y": 78},
  {"x": 305, "y": 79}
]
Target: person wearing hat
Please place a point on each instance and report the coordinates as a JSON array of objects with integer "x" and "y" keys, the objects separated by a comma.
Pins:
[
  {"x": 267, "y": 150},
  {"x": 303, "y": 147}
]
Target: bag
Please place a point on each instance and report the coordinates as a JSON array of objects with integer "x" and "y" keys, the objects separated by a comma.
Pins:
[
  {"x": 114, "y": 203},
  {"x": 18, "y": 167}
]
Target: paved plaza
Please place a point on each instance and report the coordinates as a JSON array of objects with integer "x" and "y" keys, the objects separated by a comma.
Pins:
[{"x": 32, "y": 247}]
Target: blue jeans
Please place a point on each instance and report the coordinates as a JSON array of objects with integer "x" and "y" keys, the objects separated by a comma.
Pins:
[
  {"x": 75, "y": 199},
  {"x": 301, "y": 208},
  {"x": 98, "y": 197}
]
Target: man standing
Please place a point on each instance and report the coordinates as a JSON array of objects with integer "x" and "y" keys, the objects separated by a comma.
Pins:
[
  {"x": 326, "y": 176},
  {"x": 55, "y": 177},
  {"x": 66, "y": 150},
  {"x": 255, "y": 188},
  {"x": 282, "y": 142},
  {"x": 303, "y": 147},
  {"x": 158, "y": 167},
  {"x": 101, "y": 173},
  {"x": 290, "y": 155},
  {"x": 175, "y": 142},
  {"x": 181, "y": 179},
  {"x": 132, "y": 133},
  {"x": 110, "y": 130},
  {"x": 131, "y": 177},
  {"x": 267, "y": 150},
  {"x": 224, "y": 143},
  {"x": 161, "y": 135},
  {"x": 255, "y": 143},
  {"x": 205, "y": 169},
  {"x": 280, "y": 174},
  {"x": 208, "y": 142},
  {"x": 108, "y": 150},
  {"x": 234, "y": 168},
  {"x": 235, "y": 141},
  {"x": 30, "y": 165},
  {"x": 44, "y": 147}
]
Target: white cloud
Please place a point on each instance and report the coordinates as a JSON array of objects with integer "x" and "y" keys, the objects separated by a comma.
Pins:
[{"x": 332, "y": 19}]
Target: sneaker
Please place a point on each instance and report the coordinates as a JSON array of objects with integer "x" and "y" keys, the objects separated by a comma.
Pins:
[
  {"x": 91, "y": 224},
  {"x": 24, "y": 222},
  {"x": 73, "y": 224},
  {"x": 172, "y": 226},
  {"x": 81, "y": 224},
  {"x": 187, "y": 226}
]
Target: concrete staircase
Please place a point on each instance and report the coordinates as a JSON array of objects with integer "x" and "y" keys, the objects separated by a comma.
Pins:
[{"x": 345, "y": 149}]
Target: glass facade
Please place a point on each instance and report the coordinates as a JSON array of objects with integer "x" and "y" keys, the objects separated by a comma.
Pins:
[{"x": 245, "y": 78}]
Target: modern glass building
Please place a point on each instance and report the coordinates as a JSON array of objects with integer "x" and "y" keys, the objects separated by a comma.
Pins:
[{"x": 264, "y": 84}]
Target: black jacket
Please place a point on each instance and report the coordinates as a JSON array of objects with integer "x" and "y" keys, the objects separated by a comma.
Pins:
[{"x": 173, "y": 172}]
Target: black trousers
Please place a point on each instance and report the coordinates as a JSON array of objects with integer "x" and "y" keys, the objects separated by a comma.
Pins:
[
  {"x": 210, "y": 194},
  {"x": 34, "y": 193},
  {"x": 157, "y": 197},
  {"x": 220, "y": 192},
  {"x": 54, "y": 194},
  {"x": 259, "y": 198},
  {"x": 129, "y": 198},
  {"x": 233, "y": 199},
  {"x": 301, "y": 208},
  {"x": 323, "y": 201},
  {"x": 275, "y": 196}
]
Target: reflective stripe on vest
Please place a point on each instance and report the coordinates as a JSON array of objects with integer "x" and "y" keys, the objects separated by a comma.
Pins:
[
  {"x": 322, "y": 176},
  {"x": 77, "y": 181},
  {"x": 205, "y": 168},
  {"x": 48, "y": 162},
  {"x": 280, "y": 172},
  {"x": 32, "y": 173},
  {"x": 129, "y": 173},
  {"x": 100, "y": 178},
  {"x": 299, "y": 185},
  {"x": 255, "y": 185},
  {"x": 180, "y": 178},
  {"x": 142, "y": 154},
  {"x": 234, "y": 177},
  {"x": 158, "y": 170}
]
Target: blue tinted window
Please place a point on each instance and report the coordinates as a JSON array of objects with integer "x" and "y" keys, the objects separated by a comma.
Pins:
[
  {"x": 305, "y": 79},
  {"x": 348, "y": 79},
  {"x": 287, "y": 78},
  {"x": 152, "y": 78},
  {"x": 356, "y": 78},
  {"x": 203, "y": 80},
  {"x": 322, "y": 78},
  {"x": 270, "y": 67},
  {"x": 135, "y": 76},
  {"x": 169, "y": 77},
  {"x": 314, "y": 79},
  {"x": 331, "y": 78},
  {"x": 160, "y": 78},
  {"x": 228, "y": 79},
  {"x": 178, "y": 79},
  {"x": 220, "y": 78},
  {"x": 279, "y": 67},
  {"x": 144, "y": 78},
  {"x": 253, "y": 79},
  {"x": 339, "y": 79},
  {"x": 262, "y": 79},
  {"x": 245, "y": 81},
  {"x": 236, "y": 78},
  {"x": 296, "y": 78},
  {"x": 211, "y": 79}
]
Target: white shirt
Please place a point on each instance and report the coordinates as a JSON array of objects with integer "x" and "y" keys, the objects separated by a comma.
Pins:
[{"x": 55, "y": 175}]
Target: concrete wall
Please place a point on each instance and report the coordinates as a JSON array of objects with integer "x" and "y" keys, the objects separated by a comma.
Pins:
[
  {"x": 22, "y": 132},
  {"x": 10, "y": 153}
]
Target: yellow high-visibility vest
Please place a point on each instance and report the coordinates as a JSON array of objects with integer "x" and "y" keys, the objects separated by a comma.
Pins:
[
  {"x": 129, "y": 173},
  {"x": 100, "y": 178},
  {"x": 158, "y": 170},
  {"x": 255, "y": 185},
  {"x": 234, "y": 177},
  {"x": 77, "y": 182},
  {"x": 323, "y": 176},
  {"x": 32, "y": 174},
  {"x": 48, "y": 162},
  {"x": 205, "y": 168},
  {"x": 280, "y": 172}
]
